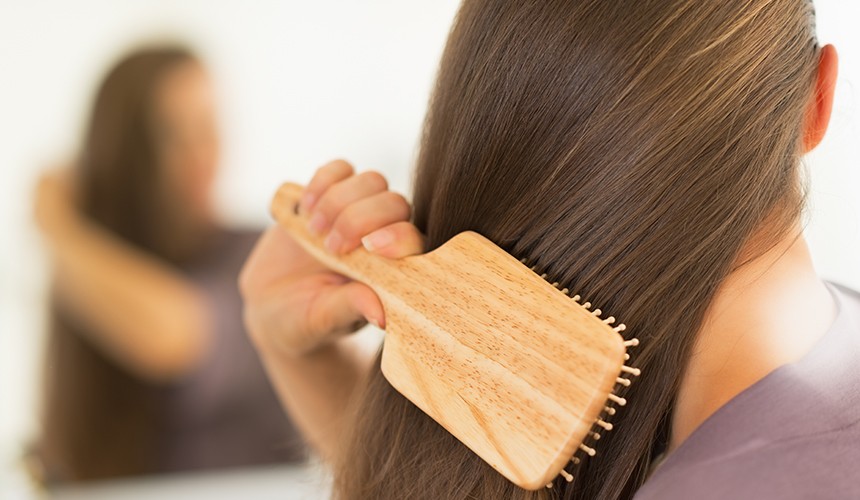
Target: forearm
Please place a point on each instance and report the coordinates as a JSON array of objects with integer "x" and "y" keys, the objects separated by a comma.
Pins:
[
  {"x": 316, "y": 388},
  {"x": 137, "y": 309}
]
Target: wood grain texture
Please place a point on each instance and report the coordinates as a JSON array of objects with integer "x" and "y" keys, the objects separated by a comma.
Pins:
[{"x": 508, "y": 364}]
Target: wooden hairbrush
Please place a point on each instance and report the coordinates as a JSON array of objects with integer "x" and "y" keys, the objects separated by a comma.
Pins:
[{"x": 501, "y": 358}]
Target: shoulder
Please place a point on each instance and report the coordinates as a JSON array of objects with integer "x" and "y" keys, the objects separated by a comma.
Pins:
[
  {"x": 850, "y": 296},
  {"x": 821, "y": 466},
  {"x": 794, "y": 434}
]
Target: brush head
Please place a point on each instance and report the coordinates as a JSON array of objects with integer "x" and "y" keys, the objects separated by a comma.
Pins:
[{"x": 506, "y": 362}]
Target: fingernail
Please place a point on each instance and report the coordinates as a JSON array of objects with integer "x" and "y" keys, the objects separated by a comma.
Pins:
[
  {"x": 375, "y": 322},
  {"x": 333, "y": 242},
  {"x": 307, "y": 202},
  {"x": 377, "y": 239},
  {"x": 317, "y": 224}
]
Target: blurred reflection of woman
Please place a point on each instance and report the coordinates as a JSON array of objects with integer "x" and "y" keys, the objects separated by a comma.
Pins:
[{"x": 148, "y": 366}]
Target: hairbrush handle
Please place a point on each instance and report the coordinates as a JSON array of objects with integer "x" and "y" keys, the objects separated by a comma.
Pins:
[{"x": 359, "y": 264}]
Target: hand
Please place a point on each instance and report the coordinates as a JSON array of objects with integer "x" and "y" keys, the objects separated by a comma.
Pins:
[{"x": 297, "y": 305}]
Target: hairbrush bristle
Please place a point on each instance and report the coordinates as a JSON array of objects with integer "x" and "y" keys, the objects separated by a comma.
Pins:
[
  {"x": 600, "y": 424},
  {"x": 617, "y": 400},
  {"x": 567, "y": 476},
  {"x": 588, "y": 450},
  {"x": 632, "y": 371},
  {"x": 606, "y": 425}
]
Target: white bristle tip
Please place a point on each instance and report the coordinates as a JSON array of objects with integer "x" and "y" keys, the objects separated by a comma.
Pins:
[
  {"x": 566, "y": 475},
  {"x": 606, "y": 425},
  {"x": 633, "y": 371},
  {"x": 620, "y": 328},
  {"x": 617, "y": 400},
  {"x": 623, "y": 381},
  {"x": 609, "y": 410},
  {"x": 609, "y": 320},
  {"x": 589, "y": 451},
  {"x": 631, "y": 343}
]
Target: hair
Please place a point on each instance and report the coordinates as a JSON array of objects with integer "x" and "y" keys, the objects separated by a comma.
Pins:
[
  {"x": 99, "y": 420},
  {"x": 629, "y": 149}
]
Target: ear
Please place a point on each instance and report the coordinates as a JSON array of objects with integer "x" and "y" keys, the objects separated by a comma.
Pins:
[{"x": 821, "y": 105}]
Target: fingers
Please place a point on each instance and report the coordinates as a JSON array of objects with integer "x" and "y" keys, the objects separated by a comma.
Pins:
[
  {"x": 340, "y": 195},
  {"x": 350, "y": 206},
  {"x": 324, "y": 177},
  {"x": 365, "y": 216},
  {"x": 395, "y": 241}
]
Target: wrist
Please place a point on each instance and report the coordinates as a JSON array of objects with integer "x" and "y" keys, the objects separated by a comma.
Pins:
[{"x": 65, "y": 228}]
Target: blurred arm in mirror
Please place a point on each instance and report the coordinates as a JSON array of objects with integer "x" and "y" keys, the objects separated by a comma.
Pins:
[
  {"x": 155, "y": 323},
  {"x": 148, "y": 365}
]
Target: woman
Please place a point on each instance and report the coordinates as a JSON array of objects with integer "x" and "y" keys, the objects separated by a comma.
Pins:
[
  {"x": 646, "y": 154},
  {"x": 149, "y": 369}
]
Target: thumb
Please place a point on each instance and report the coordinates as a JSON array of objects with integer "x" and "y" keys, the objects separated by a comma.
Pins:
[{"x": 340, "y": 309}]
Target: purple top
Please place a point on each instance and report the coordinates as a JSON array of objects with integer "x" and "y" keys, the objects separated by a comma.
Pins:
[
  {"x": 226, "y": 413},
  {"x": 795, "y": 434}
]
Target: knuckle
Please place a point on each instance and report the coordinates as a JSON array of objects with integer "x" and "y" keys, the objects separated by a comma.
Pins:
[
  {"x": 336, "y": 168},
  {"x": 337, "y": 164},
  {"x": 398, "y": 203},
  {"x": 349, "y": 222},
  {"x": 328, "y": 204},
  {"x": 375, "y": 179},
  {"x": 329, "y": 173}
]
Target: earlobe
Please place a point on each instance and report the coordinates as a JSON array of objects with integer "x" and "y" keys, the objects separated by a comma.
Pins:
[{"x": 821, "y": 104}]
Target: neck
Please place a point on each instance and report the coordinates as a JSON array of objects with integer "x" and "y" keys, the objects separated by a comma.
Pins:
[{"x": 767, "y": 313}]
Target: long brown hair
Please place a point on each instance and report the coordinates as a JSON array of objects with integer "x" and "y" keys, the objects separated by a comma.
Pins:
[
  {"x": 627, "y": 148},
  {"x": 99, "y": 420}
]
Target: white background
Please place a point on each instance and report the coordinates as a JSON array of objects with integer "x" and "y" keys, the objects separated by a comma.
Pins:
[{"x": 301, "y": 83}]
